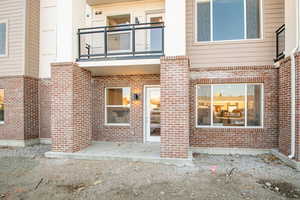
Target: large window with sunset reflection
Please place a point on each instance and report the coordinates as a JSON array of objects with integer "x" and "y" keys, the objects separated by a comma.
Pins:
[
  {"x": 229, "y": 105},
  {"x": 117, "y": 106}
]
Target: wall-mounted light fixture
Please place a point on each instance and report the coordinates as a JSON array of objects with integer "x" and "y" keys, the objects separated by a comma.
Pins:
[{"x": 136, "y": 97}]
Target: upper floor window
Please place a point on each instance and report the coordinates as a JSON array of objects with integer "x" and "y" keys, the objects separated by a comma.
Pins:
[
  {"x": 3, "y": 38},
  {"x": 219, "y": 20},
  {"x": 1, "y": 106}
]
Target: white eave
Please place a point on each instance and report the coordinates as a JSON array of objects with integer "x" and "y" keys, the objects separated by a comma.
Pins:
[{"x": 122, "y": 67}]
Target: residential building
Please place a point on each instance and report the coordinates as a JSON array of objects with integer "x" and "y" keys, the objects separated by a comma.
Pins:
[{"x": 190, "y": 74}]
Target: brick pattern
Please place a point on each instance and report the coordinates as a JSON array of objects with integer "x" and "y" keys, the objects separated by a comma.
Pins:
[
  {"x": 264, "y": 138},
  {"x": 133, "y": 133},
  {"x": 45, "y": 108},
  {"x": 21, "y": 108},
  {"x": 70, "y": 107},
  {"x": 174, "y": 107},
  {"x": 31, "y": 108},
  {"x": 13, "y": 128},
  {"x": 297, "y": 56},
  {"x": 285, "y": 107}
]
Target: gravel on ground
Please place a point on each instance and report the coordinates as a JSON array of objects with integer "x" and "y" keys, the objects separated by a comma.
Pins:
[{"x": 26, "y": 174}]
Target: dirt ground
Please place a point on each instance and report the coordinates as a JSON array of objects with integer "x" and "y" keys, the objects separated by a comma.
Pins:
[{"x": 26, "y": 174}]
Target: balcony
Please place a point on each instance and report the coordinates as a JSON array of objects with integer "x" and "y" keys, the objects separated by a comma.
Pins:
[
  {"x": 121, "y": 42},
  {"x": 280, "y": 43}
]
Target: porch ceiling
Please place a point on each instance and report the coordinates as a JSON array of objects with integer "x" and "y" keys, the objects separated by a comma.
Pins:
[
  {"x": 97, "y": 2},
  {"x": 129, "y": 67}
]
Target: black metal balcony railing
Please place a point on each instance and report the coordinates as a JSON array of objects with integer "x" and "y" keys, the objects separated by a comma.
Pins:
[
  {"x": 280, "y": 43},
  {"x": 121, "y": 42}
]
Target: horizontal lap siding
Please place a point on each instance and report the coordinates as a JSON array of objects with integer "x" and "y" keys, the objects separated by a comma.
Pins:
[
  {"x": 260, "y": 52},
  {"x": 14, "y": 12}
]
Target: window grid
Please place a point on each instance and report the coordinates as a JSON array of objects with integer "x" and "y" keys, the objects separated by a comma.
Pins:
[
  {"x": 245, "y": 23},
  {"x": 115, "y": 106},
  {"x": 246, "y": 107}
]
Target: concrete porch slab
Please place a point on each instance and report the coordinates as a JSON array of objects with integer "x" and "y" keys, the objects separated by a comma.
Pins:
[{"x": 122, "y": 151}]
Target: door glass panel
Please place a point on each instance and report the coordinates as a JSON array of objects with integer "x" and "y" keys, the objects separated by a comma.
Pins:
[
  {"x": 156, "y": 35},
  {"x": 154, "y": 108},
  {"x": 118, "y": 40}
]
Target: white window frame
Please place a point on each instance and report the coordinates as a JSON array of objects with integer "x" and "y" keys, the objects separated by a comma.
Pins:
[
  {"x": 115, "y": 33},
  {"x": 6, "y": 38},
  {"x": 234, "y": 40},
  {"x": 2, "y": 122},
  {"x": 246, "y": 104},
  {"x": 116, "y": 106}
]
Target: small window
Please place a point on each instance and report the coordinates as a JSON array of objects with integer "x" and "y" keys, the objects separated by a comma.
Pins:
[
  {"x": 1, "y": 105},
  {"x": 3, "y": 38},
  {"x": 117, "y": 106},
  {"x": 219, "y": 20},
  {"x": 229, "y": 105}
]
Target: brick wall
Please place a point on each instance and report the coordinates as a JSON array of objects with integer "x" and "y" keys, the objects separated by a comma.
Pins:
[
  {"x": 264, "y": 138},
  {"x": 297, "y": 56},
  {"x": 31, "y": 108},
  {"x": 134, "y": 133},
  {"x": 174, "y": 107},
  {"x": 285, "y": 107},
  {"x": 13, "y": 128},
  {"x": 45, "y": 108},
  {"x": 21, "y": 108},
  {"x": 70, "y": 107}
]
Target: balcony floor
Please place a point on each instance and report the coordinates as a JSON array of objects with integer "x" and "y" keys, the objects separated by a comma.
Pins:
[{"x": 122, "y": 67}]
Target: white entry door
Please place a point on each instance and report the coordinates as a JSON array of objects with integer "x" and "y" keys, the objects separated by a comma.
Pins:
[{"x": 152, "y": 114}]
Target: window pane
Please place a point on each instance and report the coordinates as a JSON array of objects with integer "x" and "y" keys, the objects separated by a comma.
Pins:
[
  {"x": 254, "y": 105},
  {"x": 203, "y": 20},
  {"x": 253, "y": 19},
  {"x": 118, "y": 115},
  {"x": 2, "y": 39},
  {"x": 1, "y": 105},
  {"x": 118, "y": 96},
  {"x": 204, "y": 105},
  {"x": 228, "y": 19},
  {"x": 229, "y": 105}
]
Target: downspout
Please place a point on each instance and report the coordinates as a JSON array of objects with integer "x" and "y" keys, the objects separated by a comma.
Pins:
[{"x": 293, "y": 86}]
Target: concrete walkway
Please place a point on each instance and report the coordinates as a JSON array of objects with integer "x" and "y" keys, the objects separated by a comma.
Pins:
[{"x": 122, "y": 151}]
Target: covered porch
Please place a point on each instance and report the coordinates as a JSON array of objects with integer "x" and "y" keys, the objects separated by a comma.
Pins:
[{"x": 136, "y": 152}]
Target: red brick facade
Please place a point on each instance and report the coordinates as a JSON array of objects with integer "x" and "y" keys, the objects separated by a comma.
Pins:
[
  {"x": 260, "y": 138},
  {"x": 71, "y": 122},
  {"x": 297, "y": 56},
  {"x": 21, "y": 108},
  {"x": 132, "y": 133},
  {"x": 285, "y": 102},
  {"x": 174, "y": 107},
  {"x": 45, "y": 108}
]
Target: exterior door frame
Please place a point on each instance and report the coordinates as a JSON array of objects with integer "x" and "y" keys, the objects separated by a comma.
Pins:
[
  {"x": 145, "y": 121},
  {"x": 148, "y": 17}
]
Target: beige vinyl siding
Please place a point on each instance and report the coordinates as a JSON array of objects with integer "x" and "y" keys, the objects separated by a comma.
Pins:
[
  {"x": 14, "y": 12},
  {"x": 236, "y": 53},
  {"x": 32, "y": 38}
]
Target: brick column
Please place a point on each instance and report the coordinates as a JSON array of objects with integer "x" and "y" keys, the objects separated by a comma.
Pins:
[
  {"x": 297, "y": 56},
  {"x": 71, "y": 127},
  {"x": 174, "y": 107}
]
